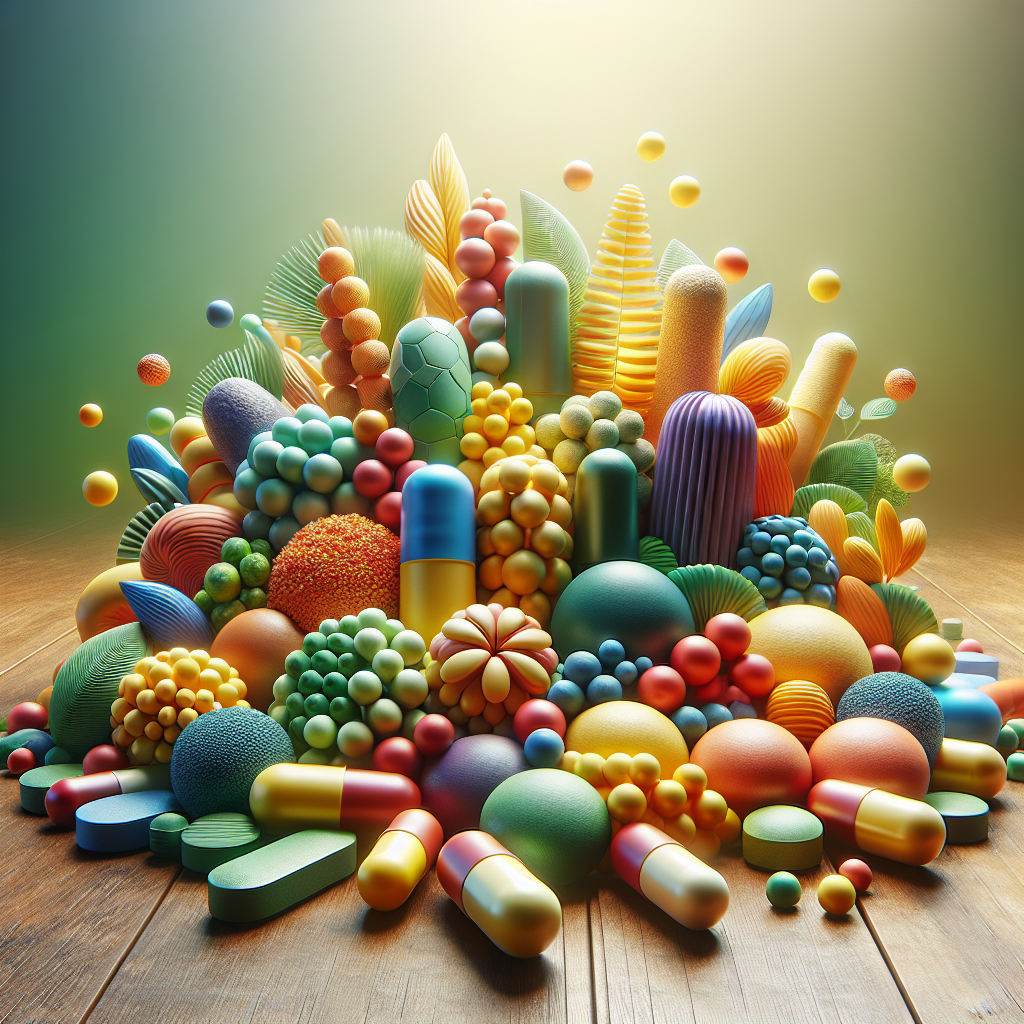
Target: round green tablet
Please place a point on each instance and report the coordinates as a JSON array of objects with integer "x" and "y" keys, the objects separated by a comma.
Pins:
[
  {"x": 387, "y": 664},
  {"x": 966, "y": 816},
  {"x": 36, "y": 783},
  {"x": 1015, "y": 767},
  {"x": 783, "y": 890},
  {"x": 782, "y": 838},
  {"x": 1007, "y": 741},
  {"x": 364, "y": 687},
  {"x": 368, "y": 641}
]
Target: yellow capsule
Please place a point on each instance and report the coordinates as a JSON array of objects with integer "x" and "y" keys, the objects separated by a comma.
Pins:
[
  {"x": 404, "y": 853},
  {"x": 966, "y": 767}
]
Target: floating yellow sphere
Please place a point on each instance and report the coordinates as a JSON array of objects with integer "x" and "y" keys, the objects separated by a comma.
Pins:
[
  {"x": 929, "y": 658},
  {"x": 836, "y": 895},
  {"x": 99, "y": 488},
  {"x": 90, "y": 414},
  {"x": 578, "y": 175},
  {"x": 684, "y": 190},
  {"x": 824, "y": 285},
  {"x": 651, "y": 146},
  {"x": 912, "y": 473}
]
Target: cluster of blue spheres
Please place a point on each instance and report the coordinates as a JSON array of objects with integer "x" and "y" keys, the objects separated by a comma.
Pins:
[
  {"x": 788, "y": 562},
  {"x": 585, "y": 679}
]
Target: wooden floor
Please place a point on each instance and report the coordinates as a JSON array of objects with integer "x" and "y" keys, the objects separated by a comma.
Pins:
[{"x": 128, "y": 938}]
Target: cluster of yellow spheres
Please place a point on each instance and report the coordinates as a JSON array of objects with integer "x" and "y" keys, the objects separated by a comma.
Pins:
[
  {"x": 498, "y": 426},
  {"x": 682, "y": 807},
  {"x": 164, "y": 694},
  {"x": 523, "y": 542}
]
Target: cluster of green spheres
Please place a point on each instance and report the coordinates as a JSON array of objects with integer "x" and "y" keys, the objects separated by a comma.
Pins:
[
  {"x": 432, "y": 382},
  {"x": 353, "y": 683},
  {"x": 296, "y": 472},
  {"x": 237, "y": 582}
]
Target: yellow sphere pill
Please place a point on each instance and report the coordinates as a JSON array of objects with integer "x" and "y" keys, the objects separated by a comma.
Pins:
[
  {"x": 186, "y": 715},
  {"x": 626, "y": 803},
  {"x": 590, "y": 767},
  {"x": 669, "y": 798},
  {"x": 147, "y": 702},
  {"x": 185, "y": 671},
  {"x": 530, "y": 508},
  {"x": 521, "y": 411},
  {"x": 201, "y": 658},
  {"x": 824, "y": 285},
  {"x": 651, "y": 146},
  {"x": 499, "y": 402},
  {"x": 99, "y": 488},
  {"x": 473, "y": 445},
  {"x": 645, "y": 770},
  {"x": 495, "y": 427},
  {"x": 175, "y": 654},
  {"x": 912, "y": 473},
  {"x": 709, "y": 809},
  {"x": 692, "y": 778},
  {"x": 165, "y": 691},
  {"x": 481, "y": 389},
  {"x": 167, "y": 716},
  {"x": 837, "y": 895},
  {"x": 90, "y": 415},
  {"x": 684, "y": 191},
  {"x": 204, "y": 701},
  {"x": 507, "y": 537},
  {"x": 616, "y": 769}
]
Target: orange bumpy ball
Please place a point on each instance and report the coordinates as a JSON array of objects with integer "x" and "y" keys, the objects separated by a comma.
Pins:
[
  {"x": 361, "y": 325},
  {"x": 371, "y": 358},
  {"x": 335, "y": 263},
  {"x": 153, "y": 370},
  {"x": 334, "y": 567},
  {"x": 900, "y": 384}
]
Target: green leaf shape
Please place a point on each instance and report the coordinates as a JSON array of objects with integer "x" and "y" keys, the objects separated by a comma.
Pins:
[
  {"x": 255, "y": 361},
  {"x": 392, "y": 264},
  {"x": 885, "y": 486},
  {"x": 156, "y": 488},
  {"x": 129, "y": 549},
  {"x": 878, "y": 409},
  {"x": 550, "y": 238},
  {"x": 849, "y": 501},
  {"x": 291, "y": 292},
  {"x": 676, "y": 255},
  {"x": 909, "y": 614},
  {"x": 845, "y": 410},
  {"x": 712, "y": 589},
  {"x": 860, "y": 525},
  {"x": 657, "y": 554},
  {"x": 747, "y": 319},
  {"x": 852, "y": 464}
]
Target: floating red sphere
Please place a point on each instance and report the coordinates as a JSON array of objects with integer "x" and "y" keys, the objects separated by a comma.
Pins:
[
  {"x": 709, "y": 693},
  {"x": 753, "y": 674},
  {"x": 406, "y": 470},
  {"x": 857, "y": 872},
  {"x": 696, "y": 659},
  {"x": 21, "y": 760},
  {"x": 104, "y": 758},
  {"x": 662, "y": 688},
  {"x": 153, "y": 370},
  {"x": 394, "y": 446},
  {"x": 503, "y": 237},
  {"x": 884, "y": 659},
  {"x": 538, "y": 714},
  {"x": 388, "y": 511},
  {"x": 472, "y": 295},
  {"x": 474, "y": 223},
  {"x": 475, "y": 257},
  {"x": 433, "y": 735},
  {"x": 971, "y": 646},
  {"x": 27, "y": 715}
]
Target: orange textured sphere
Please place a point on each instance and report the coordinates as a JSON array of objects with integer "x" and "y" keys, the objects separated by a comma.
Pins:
[
  {"x": 256, "y": 643},
  {"x": 753, "y": 763},
  {"x": 801, "y": 708},
  {"x": 153, "y": 370},
  {"x": 90, "y": 415},
  {"x": 900, "y": 384},
  {"x": 368, "y": 426},
  {"x": 872, "y": 752},
  {"x": 732, "y": 264},
  {"x": 334, "y": 567}
]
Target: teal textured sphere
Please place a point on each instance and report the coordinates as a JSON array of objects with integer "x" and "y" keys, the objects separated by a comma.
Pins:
[
  {"x": 217, "y": 757},
  {"x": 553, "y": 821},
  {"x": 431, "y": 380},
  {"x": 625, "y": 601},
  {"x": 783, "y": 890}
]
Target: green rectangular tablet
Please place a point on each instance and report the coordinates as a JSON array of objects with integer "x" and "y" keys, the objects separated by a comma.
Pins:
[{"x": 281, "y": 874}]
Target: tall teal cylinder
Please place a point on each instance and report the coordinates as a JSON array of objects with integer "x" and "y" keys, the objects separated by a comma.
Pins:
[
  {"x": 537, "y": 334},
  {"x": 604, "y": 510}
]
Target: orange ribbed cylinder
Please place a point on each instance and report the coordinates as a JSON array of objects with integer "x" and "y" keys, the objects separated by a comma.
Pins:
[{"x": 801, "y": 708}]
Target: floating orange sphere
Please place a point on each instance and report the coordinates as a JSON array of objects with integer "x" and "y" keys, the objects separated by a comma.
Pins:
[
  {"x": 900, "y": 384},
  {"x": 578, "y": 175},
  {"x": 753, "y": 763},
  {"x": 90, "y": 415},
  {"x": 153, "y": 370},
  {"x": 872, "y": 752},
  {"x": 732, "y": 264},
  {"x": 99, "y": 488}
]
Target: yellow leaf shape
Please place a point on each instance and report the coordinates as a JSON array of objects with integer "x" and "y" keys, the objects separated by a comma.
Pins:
[
  {"x": 781, "y": 435},
  {"x": 619, "y": 324},
  {"x": 915, "y": 539},
  {"x": 463, "y": 664},
  {"x": 481, "y": 616},
  {"x": 301, "y": 381},
  {"x": 828, "y": 520},
  {"x": 890, "y": 538},
  {"x": 439, "y": 291},
  {"x": 464, "y": 632},
  {"x": 333, "y": 233},
  {"x": 529, "y": 674},
  {"x": 449, "y": 186},
  {"x": 528, "y": 640},
  {"x": 860, "y": 560},
  {"x": 424, "y": 220},
  {"x": 755, "y": 370},
  {"x": 496, "y": 681},
  {"x": 509, "y": 621}
]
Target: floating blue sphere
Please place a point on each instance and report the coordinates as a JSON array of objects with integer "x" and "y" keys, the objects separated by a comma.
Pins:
[{"x": 219, "y": 313}]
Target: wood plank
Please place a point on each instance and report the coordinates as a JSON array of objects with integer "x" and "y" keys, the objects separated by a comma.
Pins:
[
  {"x": 333, "y": 959},
  {"x": 69, "y": 916},
  {"x": 28, "y": 678},
  {"x": 758, "y": 964},
  {"x": 952, "y": 929}
]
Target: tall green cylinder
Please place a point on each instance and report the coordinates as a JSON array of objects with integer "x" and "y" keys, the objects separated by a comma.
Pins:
[
  {"x": 604, "y": 510},
  {"x": 537, "y": 334}
]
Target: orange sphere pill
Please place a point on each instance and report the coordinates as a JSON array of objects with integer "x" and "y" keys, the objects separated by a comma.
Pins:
[
  {"x": 732, "y": 264},
  {"x": 900, "y": 384},
  {"x": 368, "y": 426},
  {"x": 90, "y": 415},
  {"x": 153, "y": 370},
  {"x": 350, "y": 293},
  {"x": 335, "y": 263},
  {"x": 99, "y": 488}
]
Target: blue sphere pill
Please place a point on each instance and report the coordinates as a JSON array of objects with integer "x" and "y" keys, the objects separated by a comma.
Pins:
[
  {"x": 322, "y": 473},
  {"x": 341, "y": 426},
  {"x": 219, "y": 313},
  {"x": 804, "y": 538},
  {"x": 816, "y": 558},
  {"x": 760, "y": 542},
  {"x": 798, "y": 579},
  {"x": 770, "y": 587},
  {"x": 791, "y": 596},
  {"x": 750, "y": 572},
  {"x": 256, "y": 526},
  {"x": 773, "y": 564},
  {"x": 544, "y": 748},
  {"x": 263, "y": 435},
  {"x": 265, "y": 456},
  {"x": 602, "y": 689},
  {"x": 780, "y": 544},
  {"x": 832, "y": 571},
  {"x": 795, "y": 555},
  {"x": 819, "y": 595},
  {"x": 567, "y": 697},
  {"x": 746, "y": 556},
  {"x": 283, "y": 530},
  {"x": 626, "y": 673},
  {"x": 581, "y": 667},
  {"x": 643, "y": 664},
  {"x": 349, "y": 452},
  {"x": 316, "y": 437},
  {"x": 716, "y": 714},
  {"x": 291, "y": 462},
  {"x": 610, "y": 653},
  {"x": 286, "y": 431},
  {"x": 691, "y": 723},
  {"x": 740, "y": 710}
]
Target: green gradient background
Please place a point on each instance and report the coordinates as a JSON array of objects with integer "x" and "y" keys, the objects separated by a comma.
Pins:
[{"x": 159, "y": 155}]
